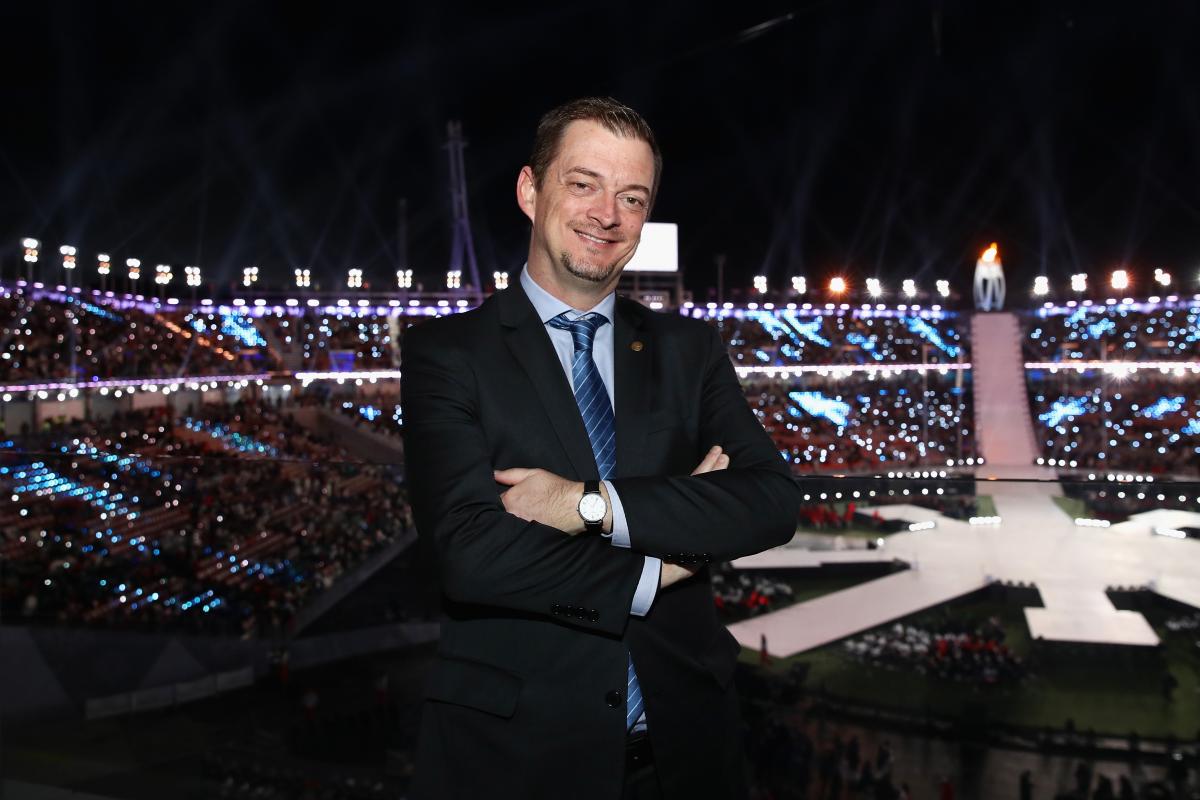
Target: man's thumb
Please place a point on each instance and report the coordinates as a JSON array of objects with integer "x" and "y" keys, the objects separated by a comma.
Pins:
[{"x": 511, "y": 477}]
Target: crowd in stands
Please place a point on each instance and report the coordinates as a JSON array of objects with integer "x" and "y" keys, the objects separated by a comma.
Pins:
[
  {"x": 39, "y": 333},
  {"x": 1148, "y": 421},
  {"x": 960, "y": 653},
  {"x": 780, "y": 337},
  {"x": 248, "y": 778},
  {"x": 227, "y": 520},
  {"x": 1116, "y": 332},
  {"x": 739, "y": 593},
  {"x": 867, "y": 423},
  {"x": 792, "y": 758},
  {"x": 957, "y": 501},
  {"x": 1116, "y": 501},
  {"x": 857, "y": 423},
  {"x": 1185, "y": 623},
  {"x": 341, "y": 340},
  {"x": 375, "y": 414}
]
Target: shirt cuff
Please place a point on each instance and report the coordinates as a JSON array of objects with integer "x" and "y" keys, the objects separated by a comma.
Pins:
[
  {"x": 647, "y": 587},
  {"x": 620, "y": 530}
]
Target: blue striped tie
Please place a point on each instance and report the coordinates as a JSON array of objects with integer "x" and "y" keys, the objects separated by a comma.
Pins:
[{"x": 592, "y": 398}]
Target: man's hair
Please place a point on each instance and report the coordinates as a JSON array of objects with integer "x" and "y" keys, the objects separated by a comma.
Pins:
[{"x": 616, "y": 117}]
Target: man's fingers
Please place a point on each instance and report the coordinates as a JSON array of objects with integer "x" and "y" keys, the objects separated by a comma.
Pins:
[
  {"x": 513, "y": 476},
  {"x": 711, "y": 461}
]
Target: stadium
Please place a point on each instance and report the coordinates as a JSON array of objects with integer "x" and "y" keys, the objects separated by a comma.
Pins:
[
  {"x": 957, "y": 291},
  {"x": 958, "y": 534}
]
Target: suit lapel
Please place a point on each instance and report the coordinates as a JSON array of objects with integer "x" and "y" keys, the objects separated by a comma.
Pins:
[
  {"x": 526, "y": 338},
  {"x": 633, "y": 356}
]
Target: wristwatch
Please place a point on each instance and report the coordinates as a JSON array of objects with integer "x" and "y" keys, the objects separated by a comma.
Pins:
[{"x": 592, "y": 507}]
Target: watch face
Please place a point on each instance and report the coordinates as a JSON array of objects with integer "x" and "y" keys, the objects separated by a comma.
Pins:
[{"x": 592, "y": 507}]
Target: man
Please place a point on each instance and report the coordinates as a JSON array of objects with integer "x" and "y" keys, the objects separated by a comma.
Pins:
[{"x": 551, "y": 436}]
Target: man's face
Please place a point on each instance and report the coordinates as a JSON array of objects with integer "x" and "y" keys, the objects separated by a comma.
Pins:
[{"x": 588, "y": 214}]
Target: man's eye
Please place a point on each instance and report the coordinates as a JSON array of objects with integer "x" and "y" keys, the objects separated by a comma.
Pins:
[
  {"x": 581, "y": 186},
  {"x": 634, "y": 202}
]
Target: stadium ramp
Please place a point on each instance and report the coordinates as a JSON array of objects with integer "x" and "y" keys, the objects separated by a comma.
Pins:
[{"x": 1002, "y": 420}]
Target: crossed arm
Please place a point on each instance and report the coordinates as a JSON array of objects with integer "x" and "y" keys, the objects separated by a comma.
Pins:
[{"x": 538, "y": 495}]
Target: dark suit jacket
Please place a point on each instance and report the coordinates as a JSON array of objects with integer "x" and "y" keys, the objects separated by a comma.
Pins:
[{"x": 526, "y": 696}]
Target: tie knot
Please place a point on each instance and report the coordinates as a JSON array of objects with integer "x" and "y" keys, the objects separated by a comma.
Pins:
[{"x": 583, "y": 329}]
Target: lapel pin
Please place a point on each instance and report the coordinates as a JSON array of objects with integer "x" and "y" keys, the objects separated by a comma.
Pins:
[{"x": 636, "y": 347}]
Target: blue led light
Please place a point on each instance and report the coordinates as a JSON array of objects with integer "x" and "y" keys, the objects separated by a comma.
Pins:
[
  {"x": 931, "y": 335},
  {"x": 1064, "y": 408},
  {"x": 1163, "y": 406},
  {"x": 818, "y": 405}
]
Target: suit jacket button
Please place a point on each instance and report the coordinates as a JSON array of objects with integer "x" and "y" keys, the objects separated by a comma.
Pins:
[
  {"x": 613, "y": 699},
  {"x": 555, "y": 609},
  {"x": 594, "y": 615}
]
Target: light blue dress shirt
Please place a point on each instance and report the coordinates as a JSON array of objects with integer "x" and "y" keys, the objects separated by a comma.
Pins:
[{"x": 548, "y": 307}]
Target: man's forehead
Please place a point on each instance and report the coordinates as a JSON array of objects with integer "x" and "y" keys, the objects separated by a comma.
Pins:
[{"x": 589, "y": 146}]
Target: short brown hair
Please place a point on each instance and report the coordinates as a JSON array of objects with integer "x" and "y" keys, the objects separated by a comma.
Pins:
[{"x": 616, "y": 117}]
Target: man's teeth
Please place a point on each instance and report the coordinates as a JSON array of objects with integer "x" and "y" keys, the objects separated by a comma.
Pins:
[{"x": 592, "y": 238}]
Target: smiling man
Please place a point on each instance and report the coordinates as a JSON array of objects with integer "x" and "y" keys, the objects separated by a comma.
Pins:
[{"x": 577, "y": 460}]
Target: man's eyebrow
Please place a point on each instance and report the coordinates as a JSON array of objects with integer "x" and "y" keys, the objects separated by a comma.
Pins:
[{"x": 593, "y": 174}]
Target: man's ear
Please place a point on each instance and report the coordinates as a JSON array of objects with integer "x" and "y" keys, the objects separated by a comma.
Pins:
[{"x": 527, "y": 193}]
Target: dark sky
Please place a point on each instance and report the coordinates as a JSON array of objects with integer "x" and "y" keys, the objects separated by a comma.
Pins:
[{"x": 893, "y": 139}]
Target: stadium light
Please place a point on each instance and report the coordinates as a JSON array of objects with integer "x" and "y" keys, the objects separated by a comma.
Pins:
[
  {"x": 1079, "y": 282},
  {"x": 134, "y": 266},
  {"x": 760, "y": 284},
  {"x": 192, "y": 275},
  {"x": 303, "y": 278},
  {"x": 1120, "y": 279},
  {"x": 31, "y": 246},
  {"x": 943, "y": 288},
  {"x": 909, "y": 287},
  {"x": 799, "y": 284},
  {"x": 837, "y": 284},
  {"x": 454, "y": 279},
  {"x": 162, "y": 274},
  {"x": 1162, "y": 277},
  {"x": 68, "y": 254},
  {"x": 103, "y": 264},
  {"x": 354, "y": 278},
  {"x": 404, "y": 278},
  {"x": 874, "y": 287},
  {"x": 1041, "y": 286},
  {"x": 249, "y": 276},
  {"x": 500, "y": 279}
]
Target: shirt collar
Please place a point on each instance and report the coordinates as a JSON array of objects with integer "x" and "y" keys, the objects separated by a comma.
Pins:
[{"x": 548, "y": 306}]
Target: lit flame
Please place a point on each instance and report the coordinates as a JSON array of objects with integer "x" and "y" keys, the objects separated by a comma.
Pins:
[{"x": 991, "y": 253}]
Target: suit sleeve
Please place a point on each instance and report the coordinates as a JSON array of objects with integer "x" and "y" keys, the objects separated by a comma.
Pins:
[
  {"x": 750, "y": 507},
  {"x": 486, "y": 555}
]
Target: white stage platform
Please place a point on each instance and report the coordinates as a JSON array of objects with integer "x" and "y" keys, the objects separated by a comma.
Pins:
[{"x": 1035, "y": 543}]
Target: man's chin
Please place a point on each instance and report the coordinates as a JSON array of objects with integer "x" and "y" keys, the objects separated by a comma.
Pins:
[{"x": 593, "y": 273}]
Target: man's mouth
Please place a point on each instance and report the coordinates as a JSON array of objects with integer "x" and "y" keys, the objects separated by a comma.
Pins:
[{"x": 587, "y": 237}]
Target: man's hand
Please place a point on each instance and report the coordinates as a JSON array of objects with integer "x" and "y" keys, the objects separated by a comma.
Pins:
[
  {"x": 715, "y": 459},
  {"x": 541, "y": 496}
]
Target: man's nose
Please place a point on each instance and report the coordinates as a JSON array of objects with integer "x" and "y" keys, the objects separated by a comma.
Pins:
[{"x": 604, "y": 211}]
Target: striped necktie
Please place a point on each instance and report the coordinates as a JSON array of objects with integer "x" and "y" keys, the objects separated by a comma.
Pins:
[{"x": 592, "y": 398}]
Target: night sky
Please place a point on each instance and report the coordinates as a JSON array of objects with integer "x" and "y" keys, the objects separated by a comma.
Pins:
[{"x": 894, "y": 139}]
